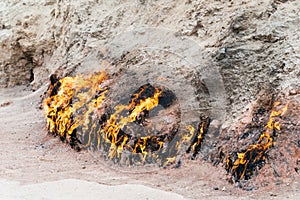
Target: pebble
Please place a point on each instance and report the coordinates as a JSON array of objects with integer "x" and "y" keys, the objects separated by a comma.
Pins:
[
  {"x": 293, "y": 92},
  {"x": 216, "y": 188},
  {"x": 272, "y": 194}
]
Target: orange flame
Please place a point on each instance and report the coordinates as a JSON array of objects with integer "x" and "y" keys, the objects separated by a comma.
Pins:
[
  {"x": 59, "y": 108},
  {"x": 77, "y": 110},
  {"x": 256, "y": 152},
  {"x": 72, "y": 103},
  {"x": 116, "y": 123}
]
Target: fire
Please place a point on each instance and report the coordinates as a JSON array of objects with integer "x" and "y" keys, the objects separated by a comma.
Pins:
[
  {"x": 256, "y": 154},
  {"x": 61, "y": 105},
  {"x": 113, "y": 129},
  {"x": 196, "y": 137},
  {"x": 78, "y": 110},
  {"x": 146, "y": 104}
]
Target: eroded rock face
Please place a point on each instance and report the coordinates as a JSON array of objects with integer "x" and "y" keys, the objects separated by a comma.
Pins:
[
  {"x": 252, "y": 44},
  {"x": 24, "y": 46}
]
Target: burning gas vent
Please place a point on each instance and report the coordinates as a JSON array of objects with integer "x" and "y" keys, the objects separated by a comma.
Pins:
[
  {"x": 243, "y": 163},
  {"x": 146, "y": 127},
  {"x": 79, "y": 111}
]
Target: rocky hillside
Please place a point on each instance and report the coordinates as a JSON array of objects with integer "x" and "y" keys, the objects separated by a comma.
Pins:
[{"x": 226, "y": 51}]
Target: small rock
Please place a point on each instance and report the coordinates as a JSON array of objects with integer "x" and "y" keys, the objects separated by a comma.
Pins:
[
  {"x": 224, "y": 189},
  {"x": 178, "y": 164},
  {"x": 215, "y": 124},
  {"x": 216, "y": 188},
  {"x": 293, "y": 92},
  {"x": 272, "y": 194},
  {"x": 49, "y": 2}
]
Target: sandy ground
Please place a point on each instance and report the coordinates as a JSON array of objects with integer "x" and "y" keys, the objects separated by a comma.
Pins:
[
  {"x": 35, "y": 165},
  {"x": 78, "y": 189}
]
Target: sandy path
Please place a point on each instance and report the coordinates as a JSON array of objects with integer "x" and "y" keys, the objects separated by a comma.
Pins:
[{"x": 78, "y": 189}]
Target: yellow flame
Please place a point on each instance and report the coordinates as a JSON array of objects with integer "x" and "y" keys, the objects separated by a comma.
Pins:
[
  {"x": 194, "y": 138},
  {"x": 60, "y": 108},
  {"x": 188, "y": 137},
  {"x": 117, "y": 123},
  {"x": 265, "y": 141},
  {"x": 75, "y": 104}
]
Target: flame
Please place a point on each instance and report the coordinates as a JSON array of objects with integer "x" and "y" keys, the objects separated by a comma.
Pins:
[
  {"x": 256, "y": 153},
  {"x": 188, "y": 137},
  {"x": 195, "y": 138},
  {"x": 146, "y": 104},
  {"x": 140, "y": 146},
  {"x": 199, "y": 138},
  {"x": 71, "y": 106},
  {"x": 78, "y": 110},
  {"x": 116, "y": 123},
  {"x": 60, "y": 106}
]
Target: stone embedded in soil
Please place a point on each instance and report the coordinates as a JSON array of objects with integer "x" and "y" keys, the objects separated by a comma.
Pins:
[{"x": 216, "y": 188}]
